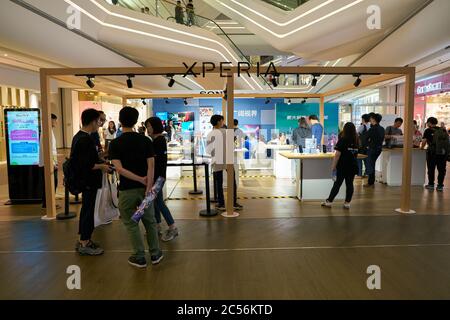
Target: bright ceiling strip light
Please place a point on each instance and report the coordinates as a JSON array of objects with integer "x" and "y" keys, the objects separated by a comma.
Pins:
[
  {"x": 162, "y": 27},
  {"x": 281, "y": 36},
  {"x": 283, "y": 24}
]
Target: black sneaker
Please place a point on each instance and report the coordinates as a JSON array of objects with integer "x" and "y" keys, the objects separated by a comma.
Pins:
[
  {"x": 429, "y": 187},
  {"x": 91, "y": 249},
  {"x": 156, "y": 259},
  {"x": 137, "y": 262},
  {"x": 238, "y": 207},
  {"x": 440, "y": 188},
  {"x": 221, "y": 208}
]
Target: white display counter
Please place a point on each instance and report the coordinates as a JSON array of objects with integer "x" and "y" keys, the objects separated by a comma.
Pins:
[
  {"x": 391, "y": 166},
  {"x": 282, "y": 166},
  {"x": 314, "y": 176}
]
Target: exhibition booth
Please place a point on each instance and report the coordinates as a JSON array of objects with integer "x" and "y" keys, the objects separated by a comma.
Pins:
[{"x": 266, "y": 117}]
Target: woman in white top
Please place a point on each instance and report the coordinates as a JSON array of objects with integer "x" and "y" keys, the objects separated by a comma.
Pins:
[{"x": 110, "y": 133}]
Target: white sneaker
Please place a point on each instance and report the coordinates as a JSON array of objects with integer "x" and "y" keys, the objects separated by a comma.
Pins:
[
  {"x": 346, "y": 205},
  {"x": 326, "y": 204}
]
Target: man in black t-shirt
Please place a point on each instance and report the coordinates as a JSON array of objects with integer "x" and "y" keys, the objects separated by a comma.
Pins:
[
  {"x": 434, "y": 160},
  {"x": 89, "y": 170},
  {"x": 133, "y": 157}
]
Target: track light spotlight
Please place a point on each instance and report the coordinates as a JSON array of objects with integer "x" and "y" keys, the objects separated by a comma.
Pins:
[
  {"x": 267, "y": 101},
  {"x": 358, "y": 80},
  {"x": 289, "y": 102},
  {"x": 171, "y": 81},
  {"x": 143, "y": 102},
  {"x": 314, "y": 80},
  {"x": 185, "y": 102},
  {"x": 167, "y": 101},
  {"x": 130, "y": 82},
  {"x": 274, "y": 80},
  {"x": 304, "y": 101},
  {"x": 90, "y": 81}
]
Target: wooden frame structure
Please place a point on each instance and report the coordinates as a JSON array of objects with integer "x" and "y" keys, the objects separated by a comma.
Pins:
[{"x": 380, "y": 74}]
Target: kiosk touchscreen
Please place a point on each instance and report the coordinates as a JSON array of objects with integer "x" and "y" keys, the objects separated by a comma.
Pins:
[{"x": 22, "y": 128}]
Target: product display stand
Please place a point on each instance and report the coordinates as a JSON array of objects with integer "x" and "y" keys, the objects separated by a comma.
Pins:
[{"x": 66, "y": 215}]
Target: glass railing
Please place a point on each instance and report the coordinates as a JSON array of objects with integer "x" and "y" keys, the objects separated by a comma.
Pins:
[
  {"x": 182, "y": 14},
  {"x": 286, "y": 5}
]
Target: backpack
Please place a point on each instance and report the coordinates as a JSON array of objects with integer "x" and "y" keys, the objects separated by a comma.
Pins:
[
  {"x": 71, "y": 181},
  {"x": 440, "y": 144}
]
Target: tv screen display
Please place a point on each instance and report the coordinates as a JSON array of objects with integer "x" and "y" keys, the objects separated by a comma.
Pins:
[{"x": 23, "y": 137}]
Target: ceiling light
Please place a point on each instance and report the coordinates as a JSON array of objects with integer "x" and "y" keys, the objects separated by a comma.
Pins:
[
  {"x": 358, "y": 80},
  {"x": 314, "y": 80},
  {"x": 130, "y": 82},
  {"x": 143, "y": 102},
  {"x": 90, "y": 81},
  {"x": 171, "y": 81},
  {"x": 274, "y": 81}
]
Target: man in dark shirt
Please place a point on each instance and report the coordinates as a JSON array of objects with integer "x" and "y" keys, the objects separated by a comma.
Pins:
[
  {"x": 375, "y": 138},
  {"x": 434, "y": 160},
  {"x": 86, "y": 164},
  {"x": 133, "y": 157}
]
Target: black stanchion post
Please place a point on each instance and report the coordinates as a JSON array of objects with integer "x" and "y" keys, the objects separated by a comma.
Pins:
[
  {"x": 66, "y": 215},
  {"x": 208, "y": 212},
  {"x": 195, "y": 191}
]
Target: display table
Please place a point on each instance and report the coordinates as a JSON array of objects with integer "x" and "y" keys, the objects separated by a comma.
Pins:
[
  {"x": 391, "y": 166},
  {"x": 281, "y": 165},
  {"x": 313, "y": 175}
]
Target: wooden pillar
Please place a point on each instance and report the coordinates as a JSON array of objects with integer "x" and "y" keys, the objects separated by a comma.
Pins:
[
  {"x": 230, "y": 148},
  {"x": 322, "y": 117},
  {"x": 124, "y": 101},
  {"x": 405, "y": 205},
  {"x": 47, "y": 147},
  {"x": 224, "y": 108}
]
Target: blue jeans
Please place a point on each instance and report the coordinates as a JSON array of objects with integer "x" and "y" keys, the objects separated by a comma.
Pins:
[
  {"x": 160, "y": 207},
  {"x": 372, "y": 156}
]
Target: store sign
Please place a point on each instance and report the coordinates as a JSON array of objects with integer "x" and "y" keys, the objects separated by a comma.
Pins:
[
  {"x": 434, "y": 86},
  {"x": 247, "y": 113},
  {"x": 224, "y": 69},
  {"x": 212, "y": 92}
]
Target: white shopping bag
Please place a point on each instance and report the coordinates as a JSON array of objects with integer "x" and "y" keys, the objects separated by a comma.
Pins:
[{"x": 106, "y": 208}]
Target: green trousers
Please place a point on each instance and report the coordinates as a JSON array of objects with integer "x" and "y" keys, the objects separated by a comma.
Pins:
[{"x": 129, "y": 200}]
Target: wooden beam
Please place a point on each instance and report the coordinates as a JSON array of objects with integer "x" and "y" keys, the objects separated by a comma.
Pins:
[
  {"x": 47, "y": 147},
  {"x": 408, "y": 144},
  {"x": 124, "y": 101},
  {"x": 230, "y": 149},
  {"x": 365, "y": 83},
  {"x": 253, "y": 70},
  {"x": 224, "y": 109},
  {"x": 237, "y": 95}
]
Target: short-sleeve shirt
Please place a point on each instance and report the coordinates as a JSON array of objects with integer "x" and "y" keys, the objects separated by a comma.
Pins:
[
  {"x": 349, "y": 152},
  {"x": 85, "y": 156},
  {"x": 428, "y": 135},
  {"x": 160, "y": 148},
  {"x": 133, "y": 150}
]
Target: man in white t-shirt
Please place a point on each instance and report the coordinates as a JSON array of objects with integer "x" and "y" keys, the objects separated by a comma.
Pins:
[{"x": 54, "y": 158}]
